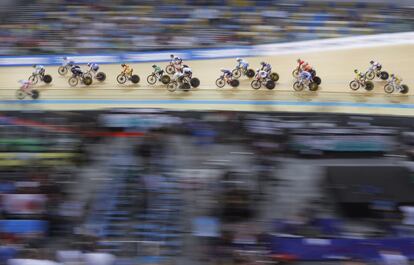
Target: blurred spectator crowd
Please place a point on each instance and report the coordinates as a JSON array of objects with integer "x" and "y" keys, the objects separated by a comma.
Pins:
[
  {"x": 124, "y": 187},
  {"x": 82, "y": 26}
]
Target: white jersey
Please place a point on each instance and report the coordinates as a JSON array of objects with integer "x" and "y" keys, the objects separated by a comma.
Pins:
[
  {"x": 94, "y": 67},
  {"x": 375, "y": 65},
  {"x": 39, "y": 69},
  {"x": 267, "y": 67},
  {"x": 177, "y": 75},
  {"x": 263, "y": 74},
  {"x": 243, "y": 64},
  {"x": 68, "y": 61},
  {"x": 25, "y": 84},
  {"x": 187, "y": 70},
  {"x": 226, "y": 73},
  {"x": 177, "y": 60}
]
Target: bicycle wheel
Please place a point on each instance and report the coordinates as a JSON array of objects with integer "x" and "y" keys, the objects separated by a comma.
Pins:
[
  {"x": 274, "y": 76},
  {"x": 172, "y": 86},
  {"x": 256, "y": 84},
  {"x": 185, "y": 87},
  {"x": 170, "y": 69},
  {"x": 369, "y": 86},
  {"x": 101, "y": 76},
  {"x": 73, "y": 81},
  {"x": 87, "y": 80},
  {"x": 384, "y": 75},
  {"x": 354, "y": 85},
  {"x": 33, "y": 79},
  {"x": 151, "y": 79},
  {"x": 20, "y": 94},
  {"x": 195, "y": 82},
  {"x": 235, "y": 83},
  {"x": 220, "y": 82},
  {"x": 250, "y": 73},
  {"x": 313, "y": 86},
  {"x": 35, "y": 94},
  {"x": 236, "y": 73},
  {"x": 388, "y": 88},
  {"x": 62, "y": 70},
  {"x": 87, "y": 75},
  {"x": 297, "y": 86},
  {"x": 295, "y": 73},
  {"x": 121, "y": 79},
  {"x": 47, "y": 79},
  {"x": 404, "y": 89},
  {"x": 317, "y": 80},
  {"x": 135, "y": 79},
  {"x": 165, "y": 79}
]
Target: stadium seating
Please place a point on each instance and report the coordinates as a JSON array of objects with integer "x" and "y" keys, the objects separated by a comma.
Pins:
[{"x": 82, "y": 27}]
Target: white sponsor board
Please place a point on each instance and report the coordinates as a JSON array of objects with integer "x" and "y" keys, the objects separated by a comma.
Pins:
[
  {"x": 210, "y": 54},
  {"x": 406, "y": 38},
  {"x": 154, "y": 56},
  {"x": 24, "y": 60}
]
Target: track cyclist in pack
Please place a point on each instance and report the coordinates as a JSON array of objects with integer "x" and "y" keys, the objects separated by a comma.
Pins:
[
  {"x": 157, "y": 71},
  {"x": 93, "y": 67},
  {"x": 176, "y": 59},
  {"x": 300, "y": 63},
  {"x": 266, "y": 67},
  {"x": 68, "y": 61},
  {"x": 226, "y": 74},
  {"x": 26, "y": 86},
  {"x": 39, "y": 70},
  {"x": 396, "y": 79},
  {"x": 375, "y": 65},
  {"x": 187, "y": 71},
  {"x": 242, "y": 64},
  {"x": 76, "y": 70},
  {"x": 127, "y": 70},
  {"x": 177, "y": 62},
  {"x": 305, "y": 75},
  {"x": 359, "y": 75}
]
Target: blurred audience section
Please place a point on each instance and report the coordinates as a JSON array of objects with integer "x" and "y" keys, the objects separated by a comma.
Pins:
[
  {"x": 83, "y": 26},
  {"x": 158, "y": 187}
]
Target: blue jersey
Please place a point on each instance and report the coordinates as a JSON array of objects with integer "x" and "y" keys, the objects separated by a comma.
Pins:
[
  {"x": 305, "y": 75},
  {"x": 227, "y": 72},
  {"x": 267, "y": 67},
  {"x": 243, "y": 64},
  {"x": 76, "y": 70},
  {"x": 94, "y": 67},
  {"x": 68, "y": 62}
]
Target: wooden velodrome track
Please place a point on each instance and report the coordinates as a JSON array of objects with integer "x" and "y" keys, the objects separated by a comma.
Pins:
[{"x": 334, "y": 67}]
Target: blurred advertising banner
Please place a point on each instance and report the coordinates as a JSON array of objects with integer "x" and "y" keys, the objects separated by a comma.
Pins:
[
  {"x": 23, "y": 226},
  {"x": 342, "y": 143},
  {"x": 317, "y": 249},
  {"x": 24, "y": 203},
  {"x": 138, "y": 121}
]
